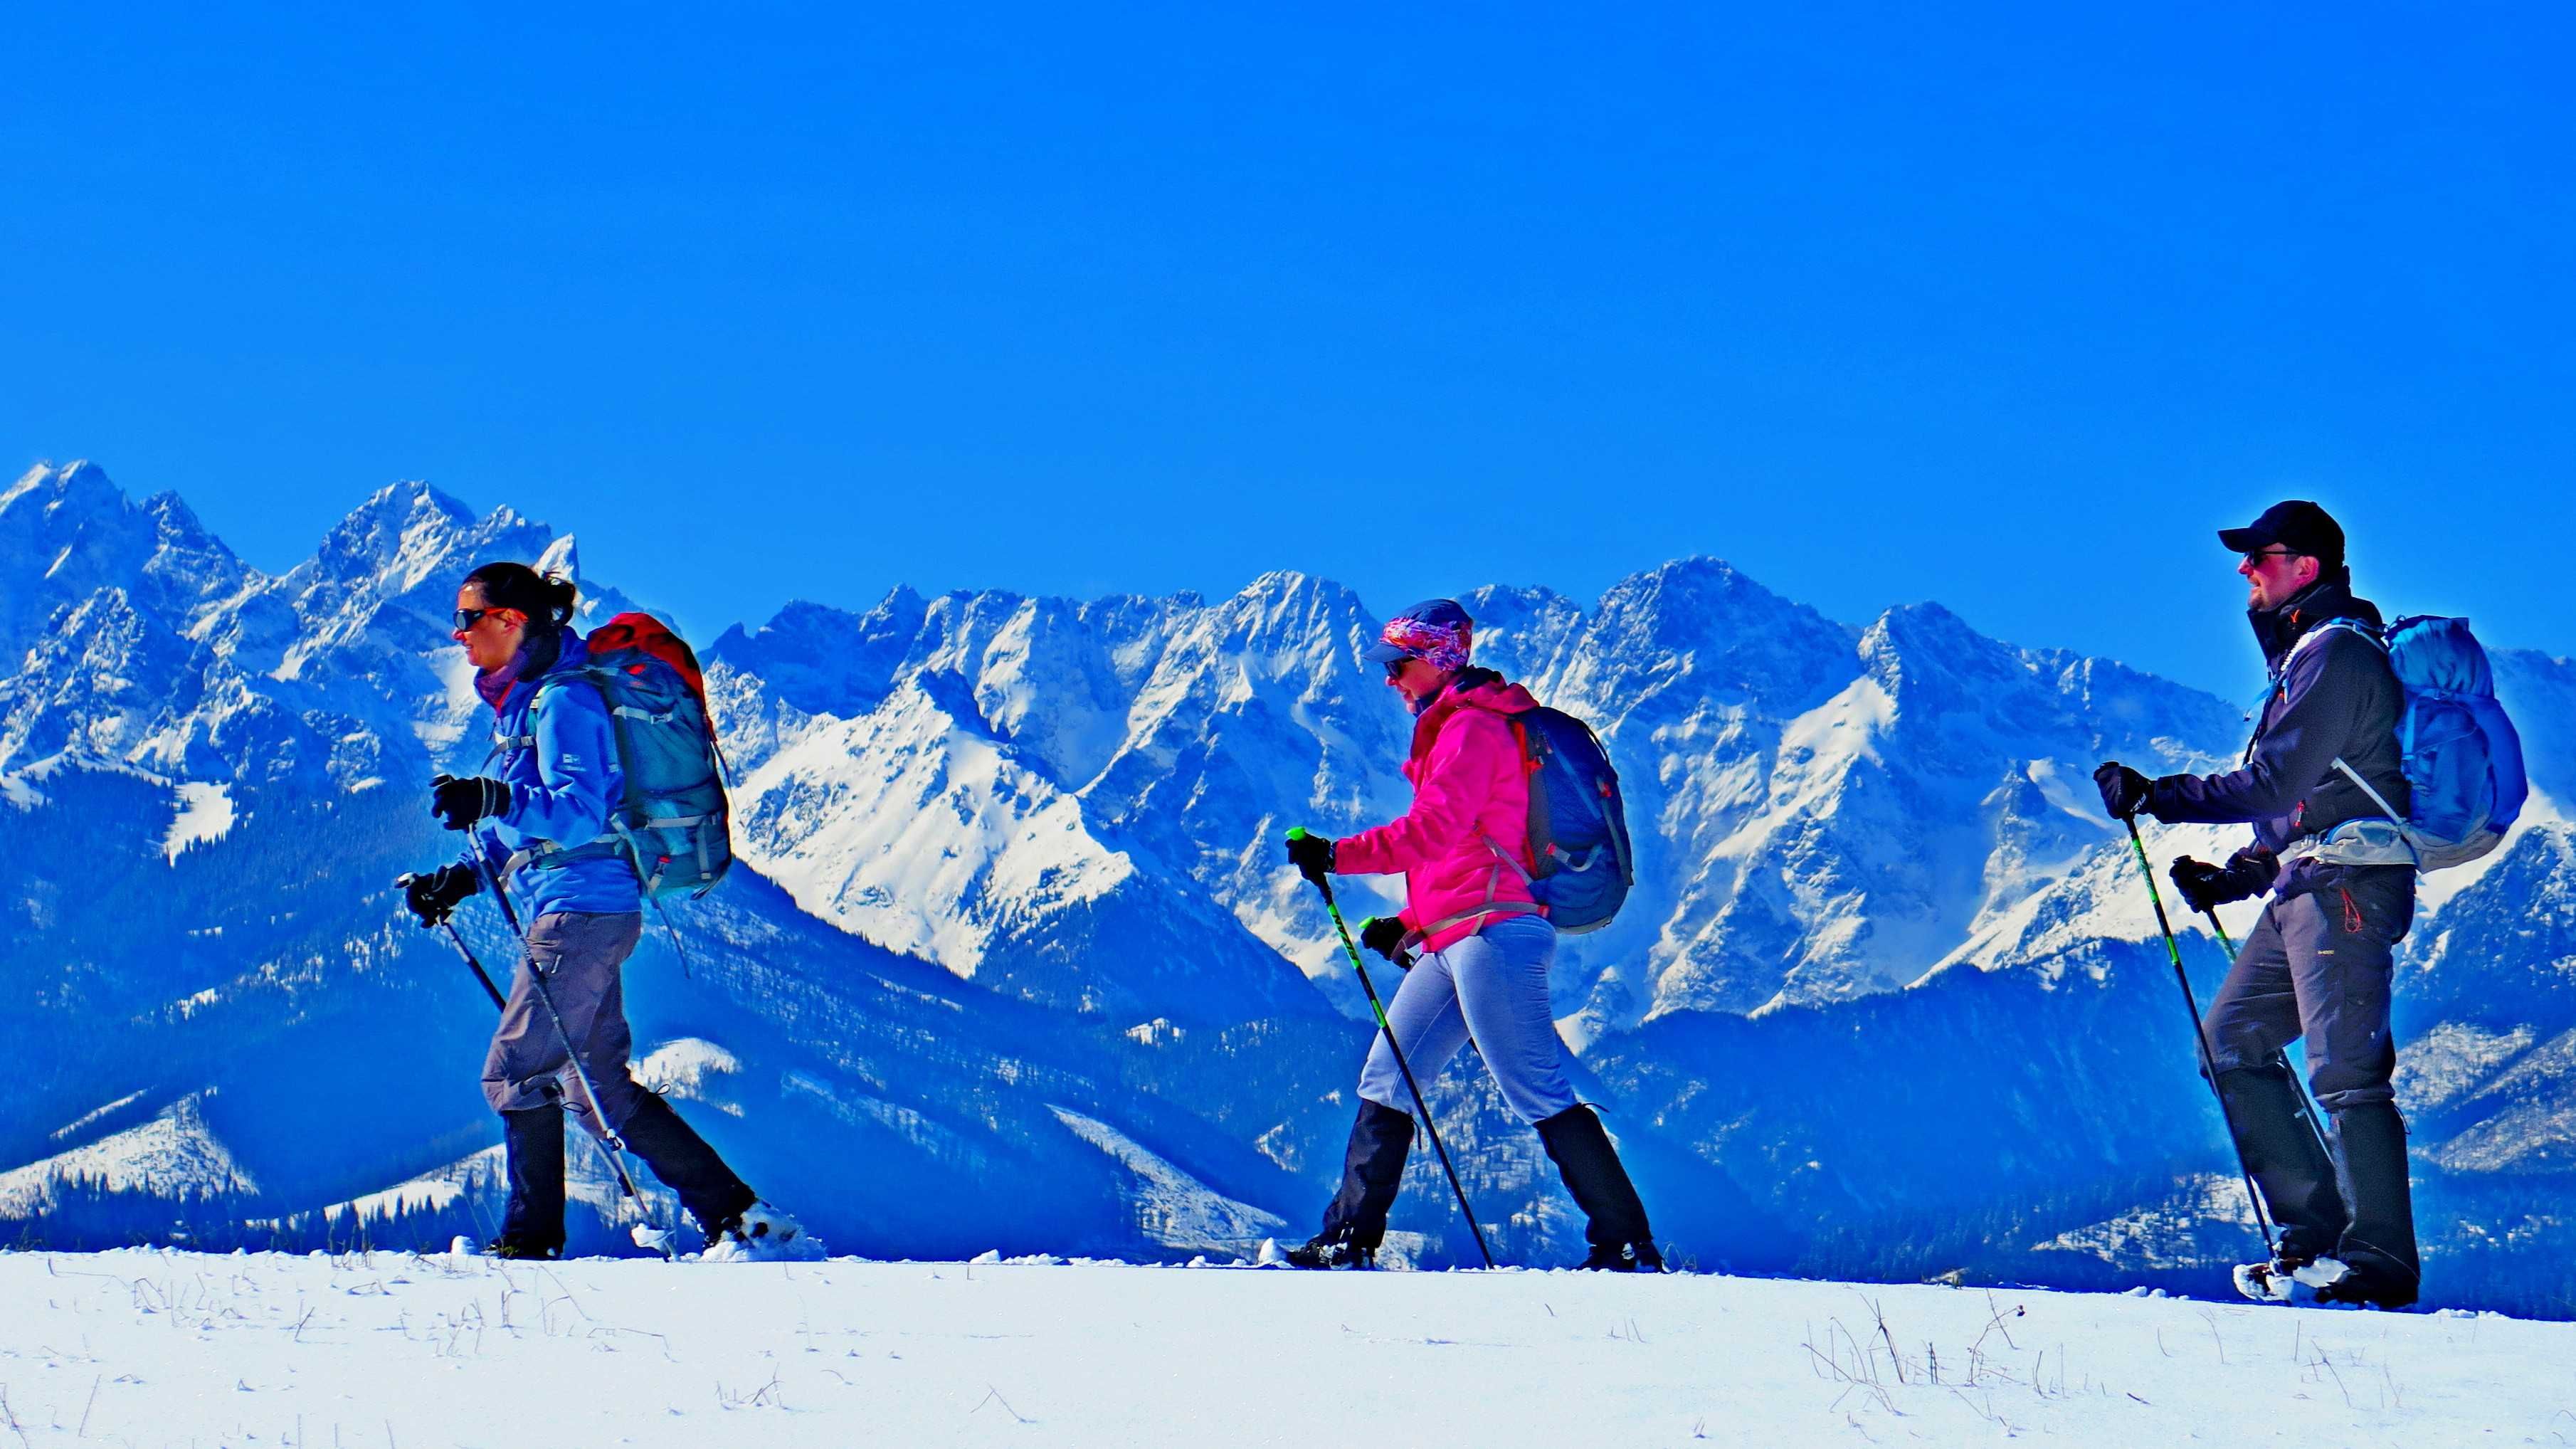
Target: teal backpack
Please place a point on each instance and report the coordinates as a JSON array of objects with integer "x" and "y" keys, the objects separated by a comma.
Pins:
[{"x": 674, "y": 823}]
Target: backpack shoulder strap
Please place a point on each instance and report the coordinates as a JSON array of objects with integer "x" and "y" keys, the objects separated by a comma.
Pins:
[
  {"x": 2316, "y": 633},
  {"x": 2340, "y": 625}
]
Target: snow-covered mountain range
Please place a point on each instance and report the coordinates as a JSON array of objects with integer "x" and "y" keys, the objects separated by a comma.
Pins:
[{"x": 1016, "y": 931}]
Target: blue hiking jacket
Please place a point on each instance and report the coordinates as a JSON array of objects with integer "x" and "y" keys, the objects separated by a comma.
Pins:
[{"x": 558, "y": 755}]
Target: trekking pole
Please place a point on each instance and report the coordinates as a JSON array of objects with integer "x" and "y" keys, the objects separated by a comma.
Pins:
[
  {"x": 2307, "y": 1104},
  {"x": 490, "y": 990},
  {"x": 481, "y": 975},
  {"x": 2200, "y": 1034},
  {"x": 610, "y": 1144},
  {"x": 1351, "y": 948}
]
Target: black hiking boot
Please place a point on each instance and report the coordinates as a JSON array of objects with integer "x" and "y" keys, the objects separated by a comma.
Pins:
[
  {"x": 1372, "y": 1170},
  {"x": 2289, "y": 1165},
  {"x": 1624, "y": 1258},
  {"x": 1330, "y": 1250},
  {"x": 522, "y": 1252},
  {"x": 532, "y": 1144},
  {"x": 687, "y": 1165},
  {"x": 2379, "y": 1247},
  {"x": 1614, "y": 1220}
]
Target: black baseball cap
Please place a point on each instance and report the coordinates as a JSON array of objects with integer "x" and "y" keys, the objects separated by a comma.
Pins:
[{"x": 2293, "y": 524}]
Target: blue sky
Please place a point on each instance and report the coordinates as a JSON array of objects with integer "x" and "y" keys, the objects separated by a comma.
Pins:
[{"x": 2002, "y": 307}]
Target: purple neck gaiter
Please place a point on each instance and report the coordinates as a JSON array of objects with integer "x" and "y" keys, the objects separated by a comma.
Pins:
[{"x": 537, "y": 653}]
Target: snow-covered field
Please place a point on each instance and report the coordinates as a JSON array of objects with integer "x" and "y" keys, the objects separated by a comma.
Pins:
[{"x": 152, "y": 1347}]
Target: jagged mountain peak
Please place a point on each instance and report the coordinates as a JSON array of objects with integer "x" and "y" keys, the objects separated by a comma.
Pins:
[
  {"x": 1917, "y": 647},
  {"x": 68, "y": 532},
  {"x": 174, "y": 514},
  {"x": 78, "y": 484},
  {"x": 400, "y": 528},
  {"x": 1697, "y": 588},
  {"x": 1664, "y": 643},
  {"x": 1284, "y": 583},
  {"x": 901, "y": 601},
  {"x": 1285, "y": 604},
  {"x": 562, "y": 558},
  {"x": 1928, "y": 625}
]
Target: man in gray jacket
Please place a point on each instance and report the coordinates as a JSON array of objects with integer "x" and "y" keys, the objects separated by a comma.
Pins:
[{"x": 2318, "y": 963}]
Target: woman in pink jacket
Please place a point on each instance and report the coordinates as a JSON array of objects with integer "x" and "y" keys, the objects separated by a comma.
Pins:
[{"x": 1484, "y": 949}]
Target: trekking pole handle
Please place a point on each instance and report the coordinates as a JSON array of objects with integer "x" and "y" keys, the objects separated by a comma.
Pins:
[{"x": 2212, "y": 916}]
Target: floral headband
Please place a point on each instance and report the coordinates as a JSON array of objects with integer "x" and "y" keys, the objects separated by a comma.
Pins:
[{"x": 1443, "y": 644}]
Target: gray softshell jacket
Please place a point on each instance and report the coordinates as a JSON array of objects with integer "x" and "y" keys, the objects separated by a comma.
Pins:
[{"x": 2332, "y": 696}]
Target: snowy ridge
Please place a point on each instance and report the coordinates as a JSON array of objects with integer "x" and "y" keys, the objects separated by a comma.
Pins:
[
  {"x": 1888, "y": 998},
  {"x": 1795, "y": 775},
  {"x": 172, "y": 1153},
  {"x": 1172, "y": 1207}
]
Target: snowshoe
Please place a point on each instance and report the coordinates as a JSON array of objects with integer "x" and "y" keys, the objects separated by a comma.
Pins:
[
  {"x": 1330, "y": 1250},
  {"x": 511, "y": 1249},
  {"x": 1623, "y": 1258},
  {"x": 760, "y": 1233},
  {"x": 2264, "y": 1282},
  {"x": 2320, "y": 1280},
  {"x": 665, "y": 1241}
]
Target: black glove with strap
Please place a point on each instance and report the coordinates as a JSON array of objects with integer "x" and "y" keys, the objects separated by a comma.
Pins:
[
  {"x": 462, "y": 802},
  {"x": 1311, "y": 854},
  {"x": 1385, "y": 935},
  {"x": 2124, "y": 791},
  {"x": 2205, "y": 887},
  {"x": 433, "y": 897}
]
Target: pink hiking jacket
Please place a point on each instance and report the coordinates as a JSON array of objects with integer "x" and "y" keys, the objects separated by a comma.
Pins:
[{"x": 1464, "y": 846}]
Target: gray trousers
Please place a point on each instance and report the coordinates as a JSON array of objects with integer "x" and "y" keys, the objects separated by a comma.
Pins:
[
  {"x": 578, "y": 955},
  {"x": 2318, "y": 966},
  {"x": 1492, "y": 984}
]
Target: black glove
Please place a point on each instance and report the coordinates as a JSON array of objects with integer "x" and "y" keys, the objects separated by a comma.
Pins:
[
  {"x": 462, "y": 802},
  {"x": 1385, "y": 935},
  {"x": 2124, "y": 791},
  {"x": 1311, "y": 854},
  {"x": 433, "y": 897},
  {"x": 2205, "y": 886}
]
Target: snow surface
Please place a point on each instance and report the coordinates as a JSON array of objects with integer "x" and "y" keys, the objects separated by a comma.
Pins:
[
  {"x": 205, "y": 814},
  {"x": 155, "y": 1347}
]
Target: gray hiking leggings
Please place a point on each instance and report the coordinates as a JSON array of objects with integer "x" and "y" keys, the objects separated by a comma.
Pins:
[
  {"x": 579, "y": 955},
  {"x": 1493, "y": 984}
]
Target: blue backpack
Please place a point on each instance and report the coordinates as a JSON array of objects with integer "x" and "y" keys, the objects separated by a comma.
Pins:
[
  {"x": 1578, "y": 822},
  {"x": 2463, "y": 760}
]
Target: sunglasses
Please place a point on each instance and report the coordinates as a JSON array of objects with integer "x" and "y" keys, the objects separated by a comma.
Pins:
[
  {"x": 2255, "y": 556},
  {"x": 467, "y": 618},
  {"x": 1395, "y": 667}
]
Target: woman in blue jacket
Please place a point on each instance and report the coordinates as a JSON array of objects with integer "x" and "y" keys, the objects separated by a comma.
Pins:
[{"x": 541, "y": 824}]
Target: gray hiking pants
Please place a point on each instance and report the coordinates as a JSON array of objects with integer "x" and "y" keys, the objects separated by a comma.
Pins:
[
  {"x": 1493, "y": 984},
  {"x": 577, "y": 955},
  {"x": 2318, "y": 966}
]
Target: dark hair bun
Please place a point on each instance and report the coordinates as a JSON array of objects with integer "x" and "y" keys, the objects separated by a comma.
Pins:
[{"x": 547, "y": 599}]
